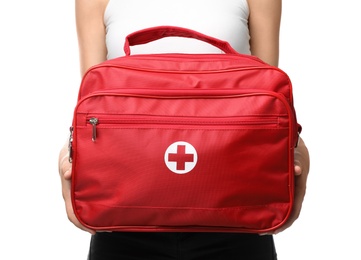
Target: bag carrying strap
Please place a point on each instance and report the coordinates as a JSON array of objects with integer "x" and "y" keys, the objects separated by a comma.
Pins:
[{"x": 159, "y": 32}]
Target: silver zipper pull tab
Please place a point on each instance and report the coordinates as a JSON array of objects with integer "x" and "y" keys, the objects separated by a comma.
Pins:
[
  {"x": 94, "y": 121},
  {"x": 70, "y": 144}
]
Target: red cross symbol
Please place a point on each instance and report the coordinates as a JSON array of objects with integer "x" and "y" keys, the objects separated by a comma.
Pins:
[{"x": 181, "y": 157}]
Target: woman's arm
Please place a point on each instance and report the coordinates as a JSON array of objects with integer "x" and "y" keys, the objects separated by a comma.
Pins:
[
  {"x": 92, "y": 50},
  {"x": 91, "y": 32},
  {"x": 264, "y": 26}
]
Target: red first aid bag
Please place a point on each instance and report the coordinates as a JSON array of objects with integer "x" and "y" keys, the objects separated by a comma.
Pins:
[{"x": 183, "y": 142}]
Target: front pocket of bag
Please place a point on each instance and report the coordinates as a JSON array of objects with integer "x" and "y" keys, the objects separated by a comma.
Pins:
[
  {"x": 237, "y": 164},
  {"x": 239, "y": 169}
]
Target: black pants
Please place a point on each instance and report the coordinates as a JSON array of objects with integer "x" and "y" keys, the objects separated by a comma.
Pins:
[{"x": 181, "y": 246}]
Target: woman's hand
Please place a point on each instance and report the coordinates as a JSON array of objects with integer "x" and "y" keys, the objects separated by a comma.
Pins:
[
  {"x": 302, "y": 167},
  {"x": 65, "y": 175}
]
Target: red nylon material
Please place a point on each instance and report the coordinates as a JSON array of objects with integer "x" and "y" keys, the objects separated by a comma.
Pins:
[{"x": 235, "y": 111}]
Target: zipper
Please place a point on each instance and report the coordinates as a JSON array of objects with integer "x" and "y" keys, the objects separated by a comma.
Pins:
[
  {"x": 124, "y": 120},
  {"x": 160, "y": 94},
  {"x": 70, "y": 144},
  {"x": 94, "y": 121}
]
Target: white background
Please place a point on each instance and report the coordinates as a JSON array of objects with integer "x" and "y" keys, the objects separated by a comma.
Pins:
[{"x": 320, "y": 50}]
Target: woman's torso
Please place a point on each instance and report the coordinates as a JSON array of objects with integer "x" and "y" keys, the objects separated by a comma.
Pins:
[{"x": 223, "y": 19}]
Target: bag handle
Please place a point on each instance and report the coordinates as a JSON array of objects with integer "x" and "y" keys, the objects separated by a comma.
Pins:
[{"x": 159, "y": 32}]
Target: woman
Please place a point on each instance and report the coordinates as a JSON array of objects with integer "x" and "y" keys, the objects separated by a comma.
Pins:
[{"x": 251, "y": 27}]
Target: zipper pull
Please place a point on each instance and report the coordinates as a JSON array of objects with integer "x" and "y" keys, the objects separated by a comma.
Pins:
[
  {"x": 94, "y": 121},
  {"x": 70, "y": 144}
]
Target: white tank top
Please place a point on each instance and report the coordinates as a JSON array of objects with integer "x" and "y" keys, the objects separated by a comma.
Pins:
[{"x": 223, "y": 19}]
